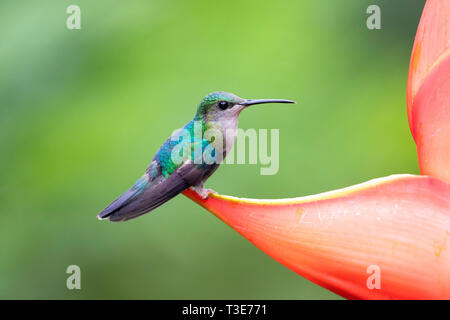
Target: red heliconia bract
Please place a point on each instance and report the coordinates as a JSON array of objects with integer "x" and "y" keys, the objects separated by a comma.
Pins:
[
  {"x": 388, "y": 238},
  {"x": 428, "y": 91},
  {"x": 398, "y": 226}
]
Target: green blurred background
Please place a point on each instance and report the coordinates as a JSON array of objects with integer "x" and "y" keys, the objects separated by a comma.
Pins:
[{"x": 82, "y": 113}]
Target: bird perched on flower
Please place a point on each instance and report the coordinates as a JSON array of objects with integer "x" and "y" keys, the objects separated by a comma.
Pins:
[{"x": 187, "y": 159}]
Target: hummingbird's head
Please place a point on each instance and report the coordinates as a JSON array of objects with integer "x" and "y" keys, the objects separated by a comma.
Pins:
[{"x": 224, "y": 105}]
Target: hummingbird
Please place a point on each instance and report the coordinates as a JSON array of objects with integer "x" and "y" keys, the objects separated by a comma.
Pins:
[{"x": 182, "y": 161}]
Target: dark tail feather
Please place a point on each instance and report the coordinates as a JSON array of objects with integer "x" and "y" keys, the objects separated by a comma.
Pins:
[
  {"x": 136, "y": 202},
  {"x": 118, "y": 204}
]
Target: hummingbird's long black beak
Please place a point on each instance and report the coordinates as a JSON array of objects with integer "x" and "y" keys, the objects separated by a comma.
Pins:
[{"x": 250, "y": 102}]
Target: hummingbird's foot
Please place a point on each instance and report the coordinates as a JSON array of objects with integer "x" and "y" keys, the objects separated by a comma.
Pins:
[{"x": 202, "y": 192}]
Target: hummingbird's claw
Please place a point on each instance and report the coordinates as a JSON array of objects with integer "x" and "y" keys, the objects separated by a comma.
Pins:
[{"x": 202, "y": 192}]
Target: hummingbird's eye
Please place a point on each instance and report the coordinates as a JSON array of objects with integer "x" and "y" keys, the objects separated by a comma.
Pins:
[{"x": 223, "y": 105}]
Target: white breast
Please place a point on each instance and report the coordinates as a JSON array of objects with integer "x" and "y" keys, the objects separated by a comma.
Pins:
[{"x": 228, "y": 127}]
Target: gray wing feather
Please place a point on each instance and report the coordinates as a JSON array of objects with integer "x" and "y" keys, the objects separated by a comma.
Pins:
[{"x": 132, "y": 203}]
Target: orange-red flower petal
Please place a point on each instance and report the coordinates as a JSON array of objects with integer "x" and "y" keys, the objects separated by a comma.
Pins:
[
  {"x": 428, "y": 90},
  {"x": 399, "y": 224},
  {"x": 431, "y": 122},
  {"x": 431, "y": 46}
]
